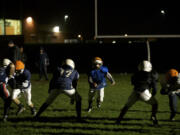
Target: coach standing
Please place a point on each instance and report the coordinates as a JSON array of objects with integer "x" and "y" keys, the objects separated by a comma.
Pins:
[
  {"x": 43, "y": 63},
  {"x": 13, "y": 55},
  {"x": 13, "y": 52}
]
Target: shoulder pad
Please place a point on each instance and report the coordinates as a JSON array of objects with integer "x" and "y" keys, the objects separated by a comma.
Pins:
[{"x": 104, "y": 69}]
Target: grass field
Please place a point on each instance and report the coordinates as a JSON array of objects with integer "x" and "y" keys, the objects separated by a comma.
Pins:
[{"x": 60, "y": 117}]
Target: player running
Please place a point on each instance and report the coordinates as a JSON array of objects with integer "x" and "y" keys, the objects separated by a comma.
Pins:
[
  {"x": 64, "y": 81},
  {"x": 171, "y": 87},
  {"x": 97, "y": 82},
  {"x": 23, "y": 85},
  {"x": 143, "y": 81}
]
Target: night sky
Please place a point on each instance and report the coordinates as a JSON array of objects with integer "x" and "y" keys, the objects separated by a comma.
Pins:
[{"x": 114, "y": 17}]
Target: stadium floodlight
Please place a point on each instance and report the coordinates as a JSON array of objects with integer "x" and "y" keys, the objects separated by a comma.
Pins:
[{"x": 56, "y": 29}]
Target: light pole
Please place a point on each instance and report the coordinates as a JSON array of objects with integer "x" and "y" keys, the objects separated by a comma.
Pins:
[{"x": 65, "y": 27}]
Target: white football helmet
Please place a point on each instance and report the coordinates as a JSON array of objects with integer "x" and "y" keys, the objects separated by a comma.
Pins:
[
  {"x": 145, "y": 66},
  {"x": 70, "y": 63},
  {"x": 6, "y": 62}
]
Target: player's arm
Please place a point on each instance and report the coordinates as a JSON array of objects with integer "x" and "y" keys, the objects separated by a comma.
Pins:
[
  {"x": 91, "y": 82},
  {"x": 155, "y": 77},
  {"x": 111, "y": 79},
  {"x": 75, "y": 80},
  {"x": 26, "y": 83},
  {"x": 74, "y": 84},
  {"x": 164, "y": 89}
]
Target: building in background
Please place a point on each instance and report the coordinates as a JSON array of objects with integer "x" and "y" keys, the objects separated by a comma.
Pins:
[{"x": 10, "y": 27}]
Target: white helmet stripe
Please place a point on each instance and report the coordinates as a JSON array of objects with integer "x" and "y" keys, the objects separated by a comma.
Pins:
[{"x": 98, "y": 61}]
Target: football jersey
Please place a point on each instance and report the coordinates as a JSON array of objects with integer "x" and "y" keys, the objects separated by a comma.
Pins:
[
  {"x": 98, "y": 76},
  {"x": 63, "y": 78},
  {"x": 25, "y": 76},
  {"x": 144, "y": 80}
]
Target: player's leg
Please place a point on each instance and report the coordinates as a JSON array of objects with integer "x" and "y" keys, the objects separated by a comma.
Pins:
[
  {"x": 131, "y": 100},
  {"x": 91, "y": 96},
  {"x": 73, "y": 94},
  {"x": 78, "y": 104},
  {"x": 52, "y": 96},
  {"x": 100, "y": 97},
  {"x": 154, "y": 104},
  {"x": 28, "y": 96},
  {"x": 15, "y": 94},
  {"x": 45, "y": 72},
  {"x": 7, "y": 100},
  {"x": 40, "y": 71},
  {"x": 173, "y": 105}
]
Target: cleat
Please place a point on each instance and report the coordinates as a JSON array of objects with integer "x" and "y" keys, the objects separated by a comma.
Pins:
[
  {"x": 98, "y": 105},
  {"x": 172, "y": 117},
  {"x": 118, "y": 121},
  {"x": 33, "y": 112},
  {"x": 36, "y": 118},
  {"x": 5, "y": 118},
  {"x": 89, "y": 110},
  {"x": 155, "y": 121},
  {"x": 20, "y": 110}
]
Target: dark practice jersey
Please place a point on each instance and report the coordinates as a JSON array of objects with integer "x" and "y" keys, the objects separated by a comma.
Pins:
[
  {"x": 64, "y": 78},
  {"x": 43, "y": 59},
  {"x": 14, "y": 53},
  {"x": 23, "y": 77},
  {"x": 3, "y": 75},
  {"x": 144, "y": 80}
]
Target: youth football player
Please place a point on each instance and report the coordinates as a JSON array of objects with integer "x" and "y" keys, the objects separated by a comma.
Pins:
[
  {"x": 23, "y": 86},
  {"x": 5, "y": 78},
  {"x": 64, "y": 81},
  {"x": 97, "y": 82},
  {"x": 171, "y": 87},
  {"x": 144, "y": 80}
]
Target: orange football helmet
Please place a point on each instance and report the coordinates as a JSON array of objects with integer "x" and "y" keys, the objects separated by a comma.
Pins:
[{"x": 19, "y": 65}]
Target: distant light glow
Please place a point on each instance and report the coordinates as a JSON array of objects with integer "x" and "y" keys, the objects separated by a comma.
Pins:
[
  {"x": 29, "y": 20},
  {"x": 66, "y": 17},
  {"x": 56, "y": 29},
  {"x": 113, "y": 41},
  {"x": 129, "y": 42},
  {"x": 125, "y": 35},
  {"x": 100, "y": 42},
  {"x": 79, "y": 36},
  {"x": 162, "y": 12}
]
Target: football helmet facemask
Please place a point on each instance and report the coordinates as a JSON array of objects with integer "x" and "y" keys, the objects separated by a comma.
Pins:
[{"x": 97, "y": 62}]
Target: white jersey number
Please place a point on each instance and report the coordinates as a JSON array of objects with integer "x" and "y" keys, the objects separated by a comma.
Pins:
[{"x": 67, "y": 72}]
